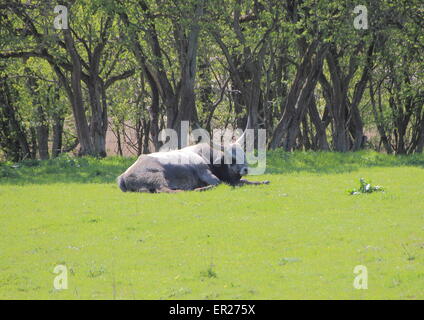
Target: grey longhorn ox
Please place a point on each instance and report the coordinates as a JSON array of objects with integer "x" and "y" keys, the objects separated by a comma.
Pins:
[{"x": 198, "y": 167}]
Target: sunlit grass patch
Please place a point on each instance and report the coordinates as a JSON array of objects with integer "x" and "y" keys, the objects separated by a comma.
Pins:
[{"x": 299, "y": 237}]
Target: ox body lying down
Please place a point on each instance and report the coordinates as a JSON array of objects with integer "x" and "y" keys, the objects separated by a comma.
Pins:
[{"x": 197, "y": 167}]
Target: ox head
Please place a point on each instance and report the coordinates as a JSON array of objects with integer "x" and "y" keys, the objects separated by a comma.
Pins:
[
  {"x": 237, "y": 163},
  {"x": 233, "y": 163}
]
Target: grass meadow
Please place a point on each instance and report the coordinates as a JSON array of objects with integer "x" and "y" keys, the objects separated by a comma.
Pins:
[{"x": 298, "y": 238}]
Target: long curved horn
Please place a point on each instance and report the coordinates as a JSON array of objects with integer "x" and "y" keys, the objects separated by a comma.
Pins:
[{"x": 248, "y": 126}]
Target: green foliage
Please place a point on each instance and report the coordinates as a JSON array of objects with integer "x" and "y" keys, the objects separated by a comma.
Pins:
[
  {"x": 365, "y": 187},
  {"x": 209, "y": 273},
  {"x": 271, "y": 35},
  {"x": 7, "y": 170}
]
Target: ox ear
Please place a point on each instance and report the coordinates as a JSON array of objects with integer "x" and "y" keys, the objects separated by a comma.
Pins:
[{"x": 248, "y": 126}]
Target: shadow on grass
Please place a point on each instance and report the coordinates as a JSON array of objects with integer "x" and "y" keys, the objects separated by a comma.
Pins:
[
  {"x": 91, "y": 170},
  {"x": 64, "y": 169}
]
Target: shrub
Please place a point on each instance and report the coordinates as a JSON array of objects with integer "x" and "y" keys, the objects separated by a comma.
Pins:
[{"x": 365, "y": 187}]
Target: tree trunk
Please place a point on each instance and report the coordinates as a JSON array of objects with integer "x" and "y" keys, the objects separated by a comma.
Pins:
[
  {"x": 420, "y": 144},
  {"x": 356, "y": 121},
  {"x": 75, "y": 95},
  {"x": 42, "y": 130},
  {"x": 13, "y": 141},
  {"x": 298, "y": 98},
  {"x": 57, "y": 135},
  {"x": 41, "y": 123},
  {"x": 338, "y": 105},
  {"x": 378, "y": 121},
  {"x": 34, "y": 147},
  {"x": 97, "y": 125},
  {"x": 154, "y": 117},
  {"x": 321, "y": 135},
  {"x": 188, "y": 55}
]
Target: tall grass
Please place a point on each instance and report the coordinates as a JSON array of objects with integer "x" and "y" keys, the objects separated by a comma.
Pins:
[{"x": 94, "y": 170}]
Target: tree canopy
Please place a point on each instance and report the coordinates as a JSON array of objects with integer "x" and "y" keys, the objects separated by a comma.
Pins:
[{"x": 316, "y": 74}]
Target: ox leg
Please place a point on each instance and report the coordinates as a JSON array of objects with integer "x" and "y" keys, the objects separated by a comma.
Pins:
[
  {"x": 167, "y": 190},
  {"x": 209, "y": 178},
  {"x": 161, "y": 190},
  {"x": 244, "y": 181},
  {"x": 146, "y": 190},
  {"x": 205, "y": 188}
]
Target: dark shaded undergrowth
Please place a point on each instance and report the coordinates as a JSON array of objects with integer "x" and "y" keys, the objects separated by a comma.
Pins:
[{"x": 92, "y": 170}]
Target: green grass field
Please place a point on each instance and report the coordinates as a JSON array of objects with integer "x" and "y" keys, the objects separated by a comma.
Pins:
[{"x": 298, "y": 238}]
